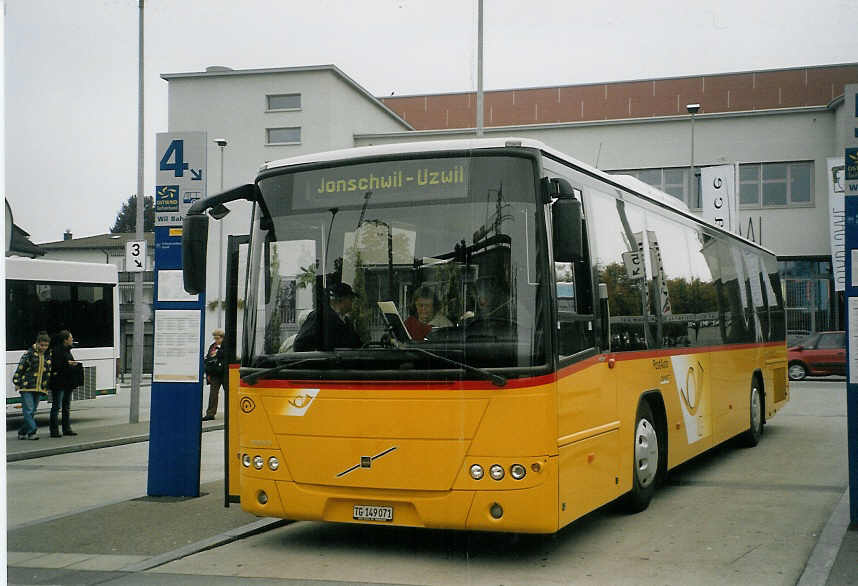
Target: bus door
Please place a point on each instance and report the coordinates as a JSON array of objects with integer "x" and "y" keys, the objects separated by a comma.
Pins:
[
  {"x": 588, "y": 427},
  {"x": 236, "y": 263}
]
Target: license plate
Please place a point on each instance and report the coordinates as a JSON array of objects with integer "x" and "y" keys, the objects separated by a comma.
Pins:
[{"x": 372, "y": 513}]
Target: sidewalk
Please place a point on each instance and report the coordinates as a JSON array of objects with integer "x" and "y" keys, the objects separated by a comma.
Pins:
[
  {"x": 88, "y": 438},
  {"x": 90, "y": 546},
  {"x": 133, "y": 536},
  {"x": 100, "y": 423},
  {"x": 845, "y": 569},
  {"x": 834, "y": 560}
]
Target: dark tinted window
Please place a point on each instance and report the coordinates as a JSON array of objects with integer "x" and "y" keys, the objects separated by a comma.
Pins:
[{"x": 85, "y": 310}]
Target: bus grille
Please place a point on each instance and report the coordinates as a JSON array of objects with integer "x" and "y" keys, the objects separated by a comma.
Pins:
[{"x": 87, "y": 390}]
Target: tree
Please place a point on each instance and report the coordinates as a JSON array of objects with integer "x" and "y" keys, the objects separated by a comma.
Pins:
[{"x": 126, "y": 219}]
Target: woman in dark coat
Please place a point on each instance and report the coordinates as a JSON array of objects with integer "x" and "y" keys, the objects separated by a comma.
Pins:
[
  {"x": 214, "y": 373},
  {"x": 62, "y": 381}
]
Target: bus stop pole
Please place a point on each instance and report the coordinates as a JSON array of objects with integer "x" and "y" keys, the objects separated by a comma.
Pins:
[
  {"x": 851, "y": 249},
  {"x": 137, "y": 351}
]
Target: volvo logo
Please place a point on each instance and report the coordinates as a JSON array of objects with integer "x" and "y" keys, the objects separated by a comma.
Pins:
[{"x": 366, "y": 461}]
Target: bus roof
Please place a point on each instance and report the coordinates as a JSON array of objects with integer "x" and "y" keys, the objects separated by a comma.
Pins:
[
  {"x": 627, "y": 181},
  {"x": 60, "y": 271},
  {"x": 406, "y": 147}
]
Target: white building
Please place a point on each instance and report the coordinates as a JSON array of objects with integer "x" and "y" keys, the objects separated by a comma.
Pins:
[{"x": 780, "y": 127}]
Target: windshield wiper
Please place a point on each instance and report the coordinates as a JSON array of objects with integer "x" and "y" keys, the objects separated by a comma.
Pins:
[
  {"x": 497, "y": 380},
  {"x": 254, "y": 376}
]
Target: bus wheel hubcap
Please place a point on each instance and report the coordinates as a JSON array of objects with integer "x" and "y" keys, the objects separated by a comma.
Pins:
[
  {"x": 755, "y": 409},
  {"x": 646, "y": 452}
]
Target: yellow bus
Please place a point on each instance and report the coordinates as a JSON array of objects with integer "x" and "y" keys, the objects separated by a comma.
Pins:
[{"x": 485, "y": 335}]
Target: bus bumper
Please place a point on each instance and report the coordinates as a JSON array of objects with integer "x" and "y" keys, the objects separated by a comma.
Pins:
[{"x": 529, "y": 510}]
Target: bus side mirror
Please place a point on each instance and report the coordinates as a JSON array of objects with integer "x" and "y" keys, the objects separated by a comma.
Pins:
[
  {"x": 567, "y": 234},
  {"x": 195, "y": 233},
  {"x": 195, "y": 238}
]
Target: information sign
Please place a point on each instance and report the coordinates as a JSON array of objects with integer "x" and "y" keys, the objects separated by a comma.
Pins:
[
  {"x": 135, "y": 256},
  {"x": 181, "y": 175},
  {"x": 177, "y": 346}
]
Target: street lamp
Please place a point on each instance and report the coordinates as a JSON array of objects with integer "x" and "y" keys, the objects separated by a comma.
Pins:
[
  {"x": 221, "y": 143},
  {"x": 692, "y": 183}
]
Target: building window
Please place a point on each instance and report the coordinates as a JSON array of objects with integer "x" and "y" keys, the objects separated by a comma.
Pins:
[
  {"x": 776, "y": 184},
  {"x": 283, "y": 102},
  {"x": 283, "y": 135},
  {"x": 672, "y": 180}
]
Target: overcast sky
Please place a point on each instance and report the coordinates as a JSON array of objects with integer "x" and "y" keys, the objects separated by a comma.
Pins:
[{"x": 71, "y": 67}]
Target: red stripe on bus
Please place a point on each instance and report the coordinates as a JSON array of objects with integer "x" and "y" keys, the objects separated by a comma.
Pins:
[{"x": 516, "y": 383}]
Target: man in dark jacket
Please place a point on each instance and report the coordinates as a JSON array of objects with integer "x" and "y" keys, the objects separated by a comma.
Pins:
[
  {"x": 62, "y": 382},
  {"x": 330, "y": 327}
]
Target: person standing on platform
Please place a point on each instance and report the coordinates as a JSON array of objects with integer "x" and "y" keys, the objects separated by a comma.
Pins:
[
  {"x": 214, "y": 372},
  {"x": 63, "y": 381},
  {"x": 31, "y": 380}
]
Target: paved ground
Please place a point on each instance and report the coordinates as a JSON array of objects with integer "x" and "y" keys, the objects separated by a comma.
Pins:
[{"x": 113, "y": 542}]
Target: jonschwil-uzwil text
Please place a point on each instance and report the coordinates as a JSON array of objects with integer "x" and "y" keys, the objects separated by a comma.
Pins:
[{"x": 394, "y": 180}]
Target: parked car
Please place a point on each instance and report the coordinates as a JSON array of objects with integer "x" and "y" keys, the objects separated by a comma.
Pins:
[
  {"x": 820, "y": 354},
  {"x": 796, "y": 337}
]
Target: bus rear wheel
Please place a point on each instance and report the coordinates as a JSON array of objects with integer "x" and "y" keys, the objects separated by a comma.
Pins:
[
  {"x": 752, "y": 437},
  {"x": 646, "y": 460}
]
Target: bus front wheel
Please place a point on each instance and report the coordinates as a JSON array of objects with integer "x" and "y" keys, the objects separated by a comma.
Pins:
[{"x": 646, "y": 460}]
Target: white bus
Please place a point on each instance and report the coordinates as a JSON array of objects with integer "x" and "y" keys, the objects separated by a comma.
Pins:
[{"x": 49, "y": 295}]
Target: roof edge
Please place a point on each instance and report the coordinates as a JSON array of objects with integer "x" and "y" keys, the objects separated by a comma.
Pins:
[
  {"x": 617, "y": 81},
  {"x": 610, "y": 121},
  {"x": 298, "y": 69}
]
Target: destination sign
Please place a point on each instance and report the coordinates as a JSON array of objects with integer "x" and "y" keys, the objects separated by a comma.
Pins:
[{"x": 381, "y": 182}]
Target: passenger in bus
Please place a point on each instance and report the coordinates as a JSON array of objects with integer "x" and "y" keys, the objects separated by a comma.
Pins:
[
  {"x": 63, "y": 381},
  {"x": 31, "y": 380},
  {"x": 214, "y": 372},
  {"x": 425, "y": 314},
  {"x": 288, "y": 344},
  {"x": 330, "y": 327}
]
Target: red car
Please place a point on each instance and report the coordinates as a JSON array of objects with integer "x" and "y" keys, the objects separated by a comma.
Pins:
[{"x": 819, "y": 354}]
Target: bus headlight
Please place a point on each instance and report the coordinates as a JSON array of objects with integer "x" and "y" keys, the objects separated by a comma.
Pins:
[
  {"x": 273, "y": 463},
  {"x": 476, "y": 471},
  {"x": 245, "y": 460},
  {"x": 517, "y": 471},
  {"x": 496, "y": 471},
  {"x": 258, "y": 462}
]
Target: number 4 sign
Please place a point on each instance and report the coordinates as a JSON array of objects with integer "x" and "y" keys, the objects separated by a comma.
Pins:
[
  {"x": 180, "y": 177},
  {"x": 135, "y": 256}
]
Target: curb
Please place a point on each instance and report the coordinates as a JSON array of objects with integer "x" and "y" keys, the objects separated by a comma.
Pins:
[
  {"x": 209, "y": 543},
  {"x": 93, "y": 445},
  {"x": 824, "y": 554}
]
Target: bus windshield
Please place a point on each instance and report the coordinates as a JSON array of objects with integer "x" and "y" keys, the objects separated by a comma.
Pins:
[{"x": 421, "y": 265}]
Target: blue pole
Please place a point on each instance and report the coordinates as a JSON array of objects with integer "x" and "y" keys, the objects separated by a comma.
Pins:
[{"x": 850, "y": 104}]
